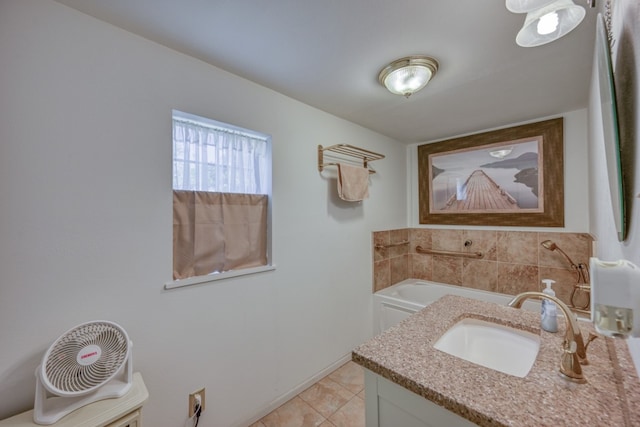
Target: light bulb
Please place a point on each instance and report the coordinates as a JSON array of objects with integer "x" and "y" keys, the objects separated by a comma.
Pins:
[{"x": 548, "y": 23}]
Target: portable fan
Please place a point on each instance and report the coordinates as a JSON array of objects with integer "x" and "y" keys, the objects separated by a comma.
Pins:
[{"x": 87, "y": 363}]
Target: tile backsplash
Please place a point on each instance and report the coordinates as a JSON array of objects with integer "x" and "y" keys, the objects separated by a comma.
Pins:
[{"x": 512, "y": 262}]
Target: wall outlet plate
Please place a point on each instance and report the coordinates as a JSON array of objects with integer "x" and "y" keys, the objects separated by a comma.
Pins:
[{"x": 193, "y": 400}]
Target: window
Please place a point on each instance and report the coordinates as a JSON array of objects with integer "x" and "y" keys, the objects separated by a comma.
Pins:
[{"x": 221, "y": 193}]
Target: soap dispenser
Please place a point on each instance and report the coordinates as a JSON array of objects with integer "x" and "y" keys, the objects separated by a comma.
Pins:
[
  {"x": 615, "y": 298},
  {"x": 549, "y": 311}
]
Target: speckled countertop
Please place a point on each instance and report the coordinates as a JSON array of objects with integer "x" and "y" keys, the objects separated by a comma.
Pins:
[{"x": 405, "y": 355}]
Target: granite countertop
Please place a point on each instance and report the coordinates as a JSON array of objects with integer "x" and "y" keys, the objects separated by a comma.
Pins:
[{"x": 405, "y": 355}]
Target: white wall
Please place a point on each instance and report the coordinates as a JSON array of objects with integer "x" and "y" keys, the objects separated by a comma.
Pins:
[
  {"x": 85, "y": 220},
  {"x": 576, "y": 175}
]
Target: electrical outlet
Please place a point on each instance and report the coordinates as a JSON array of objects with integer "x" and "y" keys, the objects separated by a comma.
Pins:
[{"x": 193, "y": 401}]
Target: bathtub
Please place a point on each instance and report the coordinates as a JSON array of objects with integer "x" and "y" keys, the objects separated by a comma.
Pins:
[{"x": 395, "y": 303}]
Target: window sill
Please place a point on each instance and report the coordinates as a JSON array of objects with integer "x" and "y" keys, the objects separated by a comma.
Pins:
[{"x": 174, "y": 284}]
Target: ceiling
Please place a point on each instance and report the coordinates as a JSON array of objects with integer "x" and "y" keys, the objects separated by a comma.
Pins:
[{"x": 328, "y": 53}]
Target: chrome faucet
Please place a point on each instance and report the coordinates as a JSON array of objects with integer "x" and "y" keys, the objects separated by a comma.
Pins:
[{"x": 574, "y": 350}]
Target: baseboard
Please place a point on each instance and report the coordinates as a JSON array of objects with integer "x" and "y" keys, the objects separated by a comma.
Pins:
[{"x": 295, "y": 391}]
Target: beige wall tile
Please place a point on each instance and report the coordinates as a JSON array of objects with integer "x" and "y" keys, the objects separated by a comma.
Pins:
[
  {"x": 485, "y": 241},
  {"x": 520, "y": 247},
  {"x": 516, "y": 278},
  {"x": 446, "y": 240},
  {"x": 398, "y": 236},
  {"x": 480, "y": 274},
  {"x": 513, "y": 262},
  {"x": 399, "y": 267},
  {"x": 565, "y": 281},
  {"x": 576, "y": 245},
  {"x": 380, "y": 238},
  {"x": 446, "y": 269},
  {"x": 420, "y": 237},
  {"x": 381, "y": 275},
  {"x": 420, "y": 266}
]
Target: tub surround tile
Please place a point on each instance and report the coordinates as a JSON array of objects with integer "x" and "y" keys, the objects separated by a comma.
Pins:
[
  {"x": 405, "y": 355},
  {"x": 398, "y": 236},
  {"x": 565, "y": 279},
  {"x": 420, "y": 237},
  {"x": 447, "y": 269},
  {"x": 399, "y": 267},
  {"x": 576, "y": 245},
  {"x": 446, "y": 239},
  {"x": 381, "y": 274},
  {"x": 380, "y": 238},
  {"x": 516, "y": 278},
  {"x": 480, "y": 274},
  {"x": 513, "y": 261},
  {"x": 420, "y": 266},
  {"x": 519, "y": 247},
  {"x": 482, "y": 241}
]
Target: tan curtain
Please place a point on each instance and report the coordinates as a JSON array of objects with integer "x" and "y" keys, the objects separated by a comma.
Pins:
[{"x": 216, "y": 232}]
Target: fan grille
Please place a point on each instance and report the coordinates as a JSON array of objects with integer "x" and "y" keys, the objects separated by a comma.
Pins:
[{"x": 66, "y": 374}]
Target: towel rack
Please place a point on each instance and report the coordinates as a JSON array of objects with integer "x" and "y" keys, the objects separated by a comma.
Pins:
[
  {"x": 477, "y": 255},
  {"x": 365, "y": 156}
]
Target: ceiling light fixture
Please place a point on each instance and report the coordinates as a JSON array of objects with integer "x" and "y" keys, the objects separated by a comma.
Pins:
[
  {"x": 547, "y": 20},
  {"x": 408, "y": 75}
]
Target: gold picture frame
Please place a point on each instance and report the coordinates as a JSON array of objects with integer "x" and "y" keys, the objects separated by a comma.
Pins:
[{"x": 506, "y": 177}]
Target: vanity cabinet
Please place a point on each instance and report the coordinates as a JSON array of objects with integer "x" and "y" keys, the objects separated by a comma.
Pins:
[
  {"x": 129, "y": 420},
  {"x": 124, "y": 411},
  {"x": 390, "y": 405}
]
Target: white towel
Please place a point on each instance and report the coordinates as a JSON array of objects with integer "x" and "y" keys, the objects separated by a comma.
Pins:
[{"x": 353, "y": 182}]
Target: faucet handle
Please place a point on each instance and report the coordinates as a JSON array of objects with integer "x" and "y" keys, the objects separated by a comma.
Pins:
[{"x": 592, "y": 337}]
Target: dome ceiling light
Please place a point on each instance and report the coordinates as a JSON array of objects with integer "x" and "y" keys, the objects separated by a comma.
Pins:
[
  {"x": 546, "y": 20},
  {"x": 408, "y": 75}
]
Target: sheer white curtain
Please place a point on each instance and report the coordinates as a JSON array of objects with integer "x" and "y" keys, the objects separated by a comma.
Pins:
[{"x": 212, "y": 158}]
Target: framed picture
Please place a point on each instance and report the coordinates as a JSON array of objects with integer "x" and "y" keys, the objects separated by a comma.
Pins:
[{"x": 507, "y": 177}]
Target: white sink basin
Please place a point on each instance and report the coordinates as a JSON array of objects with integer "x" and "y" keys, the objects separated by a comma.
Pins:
[{"x": 491, "y": 345}]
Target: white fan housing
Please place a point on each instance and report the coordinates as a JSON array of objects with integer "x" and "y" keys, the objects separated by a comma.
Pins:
[{"x": 89, "y": 362}]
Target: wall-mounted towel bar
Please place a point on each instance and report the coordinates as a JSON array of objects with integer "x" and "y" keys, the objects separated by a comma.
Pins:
[
  {"x": 361, "y": 154},
  {"x": 421, "y": 250},
  {"x": 391, "y": 245}
]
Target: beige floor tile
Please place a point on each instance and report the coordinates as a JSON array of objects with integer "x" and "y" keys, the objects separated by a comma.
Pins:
[
  {"x": 295, "y": 413},
  {"x": 326, "y": 396},
  {"x": 257, "y": 424},
  {"x": 327, "y": 424},
  {"x": 350, "y": 415},
  {"x": 350, "y": 376}
]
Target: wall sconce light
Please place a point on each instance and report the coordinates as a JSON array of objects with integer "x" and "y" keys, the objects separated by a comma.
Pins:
[
  {"x": 546, "y": 20},
  {"x": 408, "y": 75}
]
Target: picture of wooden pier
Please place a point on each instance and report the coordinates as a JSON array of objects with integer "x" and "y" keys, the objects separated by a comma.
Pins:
[
  {"x": 480, "y": 192},
  {"x": 497, "y": 178},
  {"x": 506, "y": 177}
]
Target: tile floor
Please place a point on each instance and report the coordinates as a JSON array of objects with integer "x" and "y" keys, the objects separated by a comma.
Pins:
[{"x": 337, "y": 400}]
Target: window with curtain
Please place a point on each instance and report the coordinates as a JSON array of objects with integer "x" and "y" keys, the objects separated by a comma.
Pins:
[{"x": 221, "y": 193}]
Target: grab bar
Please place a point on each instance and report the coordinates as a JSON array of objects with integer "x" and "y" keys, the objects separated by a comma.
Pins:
[
  {"x": 391, "y": 245},
  {"x": 421, "y": 250}
]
